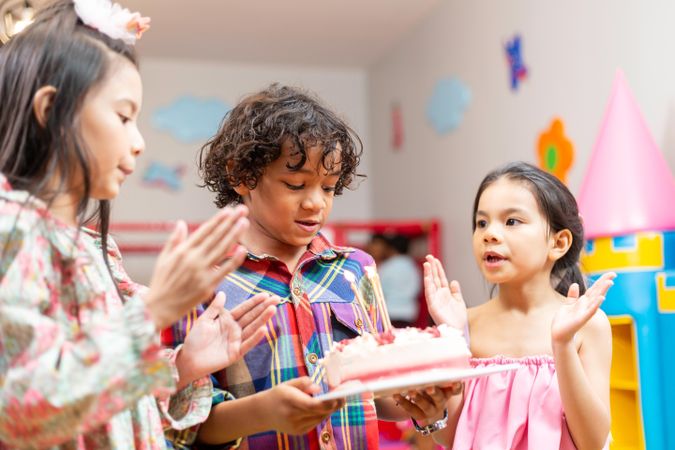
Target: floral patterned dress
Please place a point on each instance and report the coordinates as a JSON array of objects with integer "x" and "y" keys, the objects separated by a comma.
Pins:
[{"x": 80, "y": 367}]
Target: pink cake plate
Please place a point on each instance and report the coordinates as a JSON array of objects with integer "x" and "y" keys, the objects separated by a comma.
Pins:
[{"x": 384, "y": 387}]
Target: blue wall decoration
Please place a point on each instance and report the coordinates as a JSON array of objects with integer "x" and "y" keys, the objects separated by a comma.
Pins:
[
  {"x": 449, "y": 100},
  {"x": 514, "y": 56},
  {"x": 163, "y": 176},
  {"x": 191, "y": 119}
]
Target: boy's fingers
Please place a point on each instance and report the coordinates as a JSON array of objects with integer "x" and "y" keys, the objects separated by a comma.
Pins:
[
  {"x": 439, "y": 395},
  {"x": 308, "y": 423},
  {"x": 454, "y": 389},
  {"x": 328, "y": 406},
  {"x": 304, "y": 384},
  {"x": 408, "y": 406},
  {"x": 424, "y": 403}
]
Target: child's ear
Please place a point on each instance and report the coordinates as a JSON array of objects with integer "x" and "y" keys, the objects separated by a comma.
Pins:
[
  {"x": 42, "y": 103},
  {"x": 241, "y": 188},
  {"x": 562, "y": 241}
]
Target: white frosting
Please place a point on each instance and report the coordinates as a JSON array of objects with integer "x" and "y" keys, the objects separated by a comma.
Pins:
[{"x": 365, "y": 357}]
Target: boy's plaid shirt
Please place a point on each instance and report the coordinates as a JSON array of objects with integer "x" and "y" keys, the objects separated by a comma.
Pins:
[{"x": 318, "y": 308}]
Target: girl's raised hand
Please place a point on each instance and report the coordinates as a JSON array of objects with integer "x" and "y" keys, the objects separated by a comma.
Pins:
[
  {"x": 444, "y": 300},
  {"x": 574, "y": 314},
  {"x": 190, "y": 267},
  {"x": 220, "y": 337}
]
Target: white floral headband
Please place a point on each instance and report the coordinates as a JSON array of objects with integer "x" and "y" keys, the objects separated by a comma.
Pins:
[{"x": 111, "y": 19}]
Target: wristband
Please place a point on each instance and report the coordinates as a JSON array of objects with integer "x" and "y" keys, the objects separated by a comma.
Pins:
[{"x": 432, "y": 428}]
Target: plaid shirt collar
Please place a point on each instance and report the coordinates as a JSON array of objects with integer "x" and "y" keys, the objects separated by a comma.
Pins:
[{"x": 318, "y": 247}]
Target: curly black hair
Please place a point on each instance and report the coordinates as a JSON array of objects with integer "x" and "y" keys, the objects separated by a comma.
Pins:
[{"x": 253, "y": 132}]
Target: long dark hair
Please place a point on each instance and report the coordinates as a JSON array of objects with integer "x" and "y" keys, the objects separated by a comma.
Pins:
[
  {"x": 558, "y": 206},
  {"x": 56, "y": 50},
  {"x": 252, "y": 134}
]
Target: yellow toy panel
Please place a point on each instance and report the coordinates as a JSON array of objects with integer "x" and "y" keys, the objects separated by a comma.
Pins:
[
  {"x": 627, "y": 432},
  {"x": 664, "y": 294},
  {"x": 641, "y": 251}
]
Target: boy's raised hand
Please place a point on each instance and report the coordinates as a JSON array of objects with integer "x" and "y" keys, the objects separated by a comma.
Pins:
[
  {"x": 190, "y": 267},
  {"x": 220, "y": 337},
  {"x": 292, "y": 408},
  {"x": 574, "y": 314},
  {"x": 444, "y": 300}
]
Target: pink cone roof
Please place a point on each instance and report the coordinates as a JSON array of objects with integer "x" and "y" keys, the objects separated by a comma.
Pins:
[{"x": 628, "y": 186}]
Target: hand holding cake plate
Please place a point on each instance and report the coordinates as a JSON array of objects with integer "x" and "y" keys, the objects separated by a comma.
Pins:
[
  {"x": 387, "y": 386},
  {"x": 399, "y": 360}
]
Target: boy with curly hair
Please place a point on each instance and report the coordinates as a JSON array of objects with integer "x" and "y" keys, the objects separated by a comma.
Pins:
[{"x": 285, "y": 156}]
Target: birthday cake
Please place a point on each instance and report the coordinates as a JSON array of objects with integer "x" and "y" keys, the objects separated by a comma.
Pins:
[{"x": 395, "y": 352}]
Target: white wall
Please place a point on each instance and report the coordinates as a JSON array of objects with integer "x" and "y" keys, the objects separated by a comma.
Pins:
[
  {"x": 164, "y": 80},
  {"x": 571, "y": 49}
]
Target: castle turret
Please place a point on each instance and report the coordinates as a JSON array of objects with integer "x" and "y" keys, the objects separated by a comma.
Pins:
[{"x": 627, "y": 202}]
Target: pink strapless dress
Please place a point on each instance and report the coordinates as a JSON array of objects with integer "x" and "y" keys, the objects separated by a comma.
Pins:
[{"x": 515, "y": 410}]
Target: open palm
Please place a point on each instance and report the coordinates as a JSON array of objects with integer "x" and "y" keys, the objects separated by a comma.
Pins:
[
  {"x": 444, "y": 300},
  {"x": 574, "y": 314},
  {"x": 220, "y": 337}
]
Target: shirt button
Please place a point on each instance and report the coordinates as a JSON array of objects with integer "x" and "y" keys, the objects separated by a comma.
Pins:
[
  {"x": 325, "y": 437},
  {"x": 359, "y": 323},
  {"x": 297, "y": 291},
  {"x": 312, "y": 358}
]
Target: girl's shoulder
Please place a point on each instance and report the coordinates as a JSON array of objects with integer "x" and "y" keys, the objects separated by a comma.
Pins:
[
  {"x": 22, "y": 230},
  {"x": 597, "y": 327},
  {"x": 28, "y": 228},
  {"x": 18, "y": 216},
  {"x": 481, "y": 311}
]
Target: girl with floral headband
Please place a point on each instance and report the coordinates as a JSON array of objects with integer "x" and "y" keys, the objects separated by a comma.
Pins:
[{"x": 80, "y": 359}]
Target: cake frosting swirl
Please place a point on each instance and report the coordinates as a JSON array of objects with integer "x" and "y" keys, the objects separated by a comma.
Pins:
[{"x": 395, "y": 352}]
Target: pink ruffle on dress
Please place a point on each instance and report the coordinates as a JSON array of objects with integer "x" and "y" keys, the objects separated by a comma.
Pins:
[{"x": 514, "y": 410}]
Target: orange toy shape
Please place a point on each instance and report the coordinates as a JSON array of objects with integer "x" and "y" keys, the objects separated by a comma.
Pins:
[{"x": 555, "y": 152}]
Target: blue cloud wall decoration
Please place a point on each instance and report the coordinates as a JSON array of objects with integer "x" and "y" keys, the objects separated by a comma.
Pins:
[
  {"x": 449, "y": 100},
  {"x": 191, "y": 119}
]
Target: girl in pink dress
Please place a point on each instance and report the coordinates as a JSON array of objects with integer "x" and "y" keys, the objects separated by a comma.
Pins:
[{"x": 527, "y": 236}]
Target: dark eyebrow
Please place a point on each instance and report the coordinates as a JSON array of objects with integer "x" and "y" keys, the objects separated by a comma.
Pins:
[
  {"x": 306, "y": 171},
  {"x": 506, "y": 211}
]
